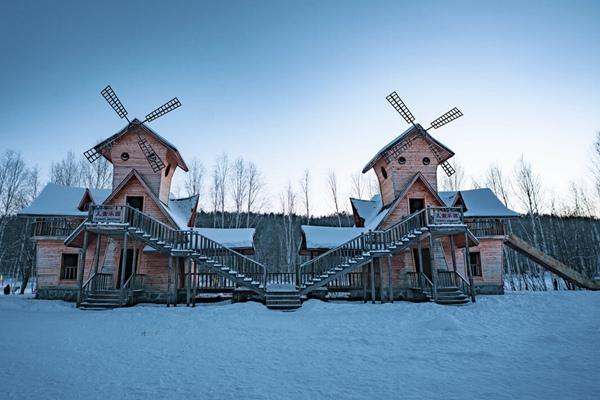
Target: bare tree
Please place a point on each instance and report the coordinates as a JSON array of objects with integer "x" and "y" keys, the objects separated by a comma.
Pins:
[
  {"x": 254, "y": 188},
  {"x": 288, "y": 208},
  {"x": 194, "y": 178},
  {"x": 220, "y": 174},
  {"x": 14, "y": 183},
  {"x": 457, "y": 180},
  {"x": 372, "y": 184},
  {"x": 497, "y": 182},
  {"x": 239, "y": 188},
  {"x": 357, "y": 185},
  {"x": 34, "y": 183},
  {"x": 215, "y": 189},
  {"x": 66, "y": 172},
  {"x": 96, "y": 175},
  {"x": 333, "y": 190},
  {"x": 305, "y": 188}
]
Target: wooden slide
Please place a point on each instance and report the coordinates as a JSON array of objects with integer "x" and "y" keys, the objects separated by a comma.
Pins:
[{"x": 551, "y": 263}]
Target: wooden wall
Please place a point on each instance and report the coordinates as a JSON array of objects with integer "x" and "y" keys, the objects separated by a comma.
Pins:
[
  {"x": 49, "y": 259},
  {"x": 158, "y": 183},
  {"x": 401, "y": 210},
  {"x": 400, "y": 175}
]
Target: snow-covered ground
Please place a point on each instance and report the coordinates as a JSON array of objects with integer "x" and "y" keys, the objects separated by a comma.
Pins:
[{"x": 517, "y": 346}]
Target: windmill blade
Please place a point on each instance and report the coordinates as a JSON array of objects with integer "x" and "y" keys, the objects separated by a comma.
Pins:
[
  {"x": 96, "y": 152},
  {"x": 448, "y": 168},
  {"x": 153, "y": 159},
  {"x": 399, "y": 105},
  {"x": 162, "y": 110},
  {"x": 112, "y": 99},
  {"x": 400, "y": 148},
  {"x": 447, "y": 117}
]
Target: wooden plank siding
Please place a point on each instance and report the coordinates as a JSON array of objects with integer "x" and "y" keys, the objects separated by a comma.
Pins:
[
  {"x": 158, "y": 183},
  {"x": 399, "y": 175}
]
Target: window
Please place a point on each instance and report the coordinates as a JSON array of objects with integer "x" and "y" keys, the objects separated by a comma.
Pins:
[
  {"x": 475, "y": 259},
  {"x": 167, "y": 170},
  {"x": 68, "y": 268},
  {"x": 124, "y": 156},
  {"x": 383, "y": 173},
  {"x": 426, "y": 161},
  {"x": 402, "y": 160}
]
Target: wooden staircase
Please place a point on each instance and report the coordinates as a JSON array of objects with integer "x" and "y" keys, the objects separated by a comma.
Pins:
[
  {"x": 283, "y": 297},
  {"x": 551, "y": 263},
  {"x": 361, "y": 250},
  {"x": 101, "y": 300},
  {"x": 242, "y": 270},
  {"x": 451, "y": 296}
]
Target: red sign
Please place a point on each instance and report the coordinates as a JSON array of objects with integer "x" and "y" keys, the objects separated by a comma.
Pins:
[
  {"x": 107, "y": 215},
  {"x": 446, "y": 217}
]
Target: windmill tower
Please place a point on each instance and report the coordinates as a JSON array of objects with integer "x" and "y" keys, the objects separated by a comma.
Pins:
[
  {"x": 414, "y": 151},
  {"x": 137, "y": 147}
]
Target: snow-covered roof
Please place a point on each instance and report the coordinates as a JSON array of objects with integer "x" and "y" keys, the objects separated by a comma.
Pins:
[
  {"x": 137, "y": 123},
  {"x": 180, "y": 210},
  {"x": 479, "y": 203},
  {"x": 234, "y": 238},
  {"x": 367, "y": 209},
  {"x": 59, "y": 200},
  {"x": 412, "y": 129},
  {"x": 328, "y": 237}
]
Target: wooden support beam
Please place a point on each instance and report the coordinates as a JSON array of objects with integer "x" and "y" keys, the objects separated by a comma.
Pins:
[
  {"x": 453, "y": 250},
  {"x": 188, "y": 282},
  {"x": 123, "y": 264},
  {"x": 469, "y": 271},
  {"x": 364, "y": 282},
  {"x": 97, "y": 254},
  {"x": 390, "y": 284},
  {"x": 195, "y": 283},
  {"x": 372, "y": 268},
  {"x": 433, "y": 267},
  {"x": 381, "y": 281},
  {"x": 81, "y": 268},
  {"x": 169, "y": 280},
  {"x": 175, "y": 281}
]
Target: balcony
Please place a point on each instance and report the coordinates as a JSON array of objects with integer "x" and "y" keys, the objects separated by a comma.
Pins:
[
  {"x": 54, "y": 228},
  {"x": 486, "y": 227}
]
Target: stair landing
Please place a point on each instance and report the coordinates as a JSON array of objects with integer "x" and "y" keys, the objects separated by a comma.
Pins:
[{"x": 282, "y": 297}]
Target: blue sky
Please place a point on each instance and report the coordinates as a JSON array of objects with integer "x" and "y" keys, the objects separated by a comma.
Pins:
[{"x": 296, "y": 85}]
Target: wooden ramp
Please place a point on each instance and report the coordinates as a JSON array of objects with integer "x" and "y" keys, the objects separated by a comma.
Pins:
[{"x": 551, "y": 263}]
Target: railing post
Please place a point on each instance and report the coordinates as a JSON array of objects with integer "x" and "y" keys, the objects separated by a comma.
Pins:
[
  {"x": 188, "y": 281},
  {"x": 433, "y": 267},
  {"x": 372, "y": 268},
  {"x": 390, "y": 285},
  {"x": 123, "y": 265},
  {"x": 468, "y": 265},
  {"x": 81, "y": 268}
]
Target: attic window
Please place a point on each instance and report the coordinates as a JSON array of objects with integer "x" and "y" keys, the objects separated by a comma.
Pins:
[
  {"x": 168, "y": 169},
  {"x": 383, "y": 173},
  {"x": 402, "y": 160},
  {"x": 426, "y": 161},
  {"x": 125, "y": 156}
]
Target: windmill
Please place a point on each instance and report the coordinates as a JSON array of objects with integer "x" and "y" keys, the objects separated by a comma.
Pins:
[
  {"x": 403, "y": 110},
  {"x": 153, "y": 159}
]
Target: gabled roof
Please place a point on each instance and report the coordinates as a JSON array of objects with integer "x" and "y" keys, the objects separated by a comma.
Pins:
[
  {"x": 233, "y": 238},
  {"x": 182, "y": 211},
  {"x": 135, "y": 124},
  {"x": 328, "y": 237},
  {"x": 134, "y": 174},
  {"x": 479, "y": 203},
  {"x": 366, "y": 210},
  {"x": 411, "y": 131},
  {"x": 63, "y": 201}
]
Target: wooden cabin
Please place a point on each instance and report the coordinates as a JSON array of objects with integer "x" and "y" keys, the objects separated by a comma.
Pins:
[
  {"x": 465, "y": 228},
  {"x": 81, "y": 233}
]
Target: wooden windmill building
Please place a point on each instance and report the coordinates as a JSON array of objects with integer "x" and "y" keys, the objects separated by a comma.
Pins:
[
  {"x": 134, "y": 242},
  {"x": 433, "y": 237}
]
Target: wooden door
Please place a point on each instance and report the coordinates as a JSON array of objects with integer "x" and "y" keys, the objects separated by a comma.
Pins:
[
  {"x": 416, "y": 205},
  {"x": 426, "y": 261},
  {"x": 128, "y": 267}
]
